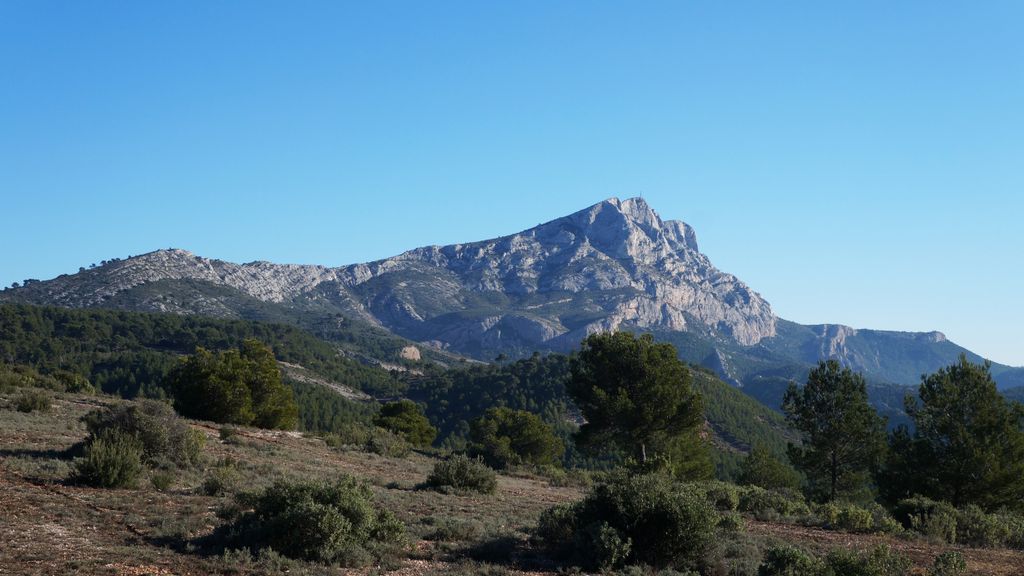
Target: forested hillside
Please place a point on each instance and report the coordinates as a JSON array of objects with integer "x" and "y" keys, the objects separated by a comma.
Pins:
[{"x": 129, "y": 353}]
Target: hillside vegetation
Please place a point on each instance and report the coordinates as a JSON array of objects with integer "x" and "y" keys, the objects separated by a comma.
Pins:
[{"x": 131, "y": 353}]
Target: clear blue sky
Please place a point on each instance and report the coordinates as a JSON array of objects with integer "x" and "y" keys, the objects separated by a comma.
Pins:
[{"x": 854, "y": 162}]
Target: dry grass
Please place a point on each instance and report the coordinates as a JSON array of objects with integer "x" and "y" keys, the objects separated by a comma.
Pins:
[{"x": 50, "y": 526}]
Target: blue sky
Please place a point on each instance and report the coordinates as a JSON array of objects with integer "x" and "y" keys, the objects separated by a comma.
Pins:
[{"x": 854, "y": 162}]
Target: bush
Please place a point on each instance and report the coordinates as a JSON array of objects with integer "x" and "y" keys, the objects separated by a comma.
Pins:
[
  {"x": 505, "y": 437},
  {"x": 31, "y": 400},
  {"x": 463, "y": 474},
  {"x": 161, "y": 479},
  {"x": 453, "y": 530},
  {"x": 73, "y": 382},
  {"x": 335, "y": 523},
  {"x": 974, "y": 527},
  {"x": 789, "y": 561},
  {"x": 238, "y": 386},
  {"x": 221, "y": 479},
  {"x": 1015, "y": 528},
  {"x": 386, "y": 443},
  {"x": 112, "y": 460},
  {"x": 164, "y": 436},
  {"x": 645, "y": 519},
  {"x": 937, "y": 520},
  {"x": 405, "y": 418},
  {"x": 731, "y": 522},
  {"x": 724, "y": 496},
  {"x": 950, "y": 563},
  {"x": 881, "y": 561},
  {"x": 770, "y": 504}
]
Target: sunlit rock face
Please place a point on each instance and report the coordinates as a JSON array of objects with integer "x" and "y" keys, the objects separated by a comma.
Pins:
[{"x": 614, "y": 265}]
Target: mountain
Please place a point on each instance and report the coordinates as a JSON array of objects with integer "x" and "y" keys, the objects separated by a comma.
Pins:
[{"x": 613, "y": 265}]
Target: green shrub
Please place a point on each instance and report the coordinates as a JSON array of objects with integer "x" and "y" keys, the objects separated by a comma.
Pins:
[
  {"x": 880, "y": 561},
  {"x": 405, "y": 418},
  {"x": 1014, "y": 523},
  {"x": 731, "y": 522},
  {"x": 331, "y": 522},
  {"x": 164, "y": 436},
  {"x": 504, "y": 437},
  {"x": 461, "y": 473},
  {"x": 111, "y": 460},
  {"x": 454, "y": 530},
  {"x": 557, "y": 525},
  {"x": 32, "y": 399},
  {"x": 975, "y": 527},
  {"x": 724, "y": 496},
  {"x": 763, "y": 468},
  {"x": 950, "y": 563},
  {"x": 387, "y": 443},
  {"x": 937, "y": 520},
  {"x": 161, "y": 479},
  {"x": 237, "y": 386},
  {"x": 855, "y": 519},
  {"x": 770, "y": 504},
  {"x": 74, "y": 382},
  {"x": 789, "y": 561},
  {"x": 222, "y": 479},
  {"x": 640, "y": 519}
]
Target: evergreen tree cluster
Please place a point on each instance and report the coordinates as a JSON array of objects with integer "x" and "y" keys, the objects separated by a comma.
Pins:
[{"x": 235, "y": 386}]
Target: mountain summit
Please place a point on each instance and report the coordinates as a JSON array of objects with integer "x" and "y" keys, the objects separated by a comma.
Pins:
[{"x": 614, "y": 265}]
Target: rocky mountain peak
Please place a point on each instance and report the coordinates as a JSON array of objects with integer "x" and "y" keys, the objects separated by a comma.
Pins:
[{"x": 613, "y": 265}]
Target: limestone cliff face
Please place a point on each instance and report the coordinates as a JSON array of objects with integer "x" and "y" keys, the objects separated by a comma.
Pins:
[{"x": 615, "y": 264}]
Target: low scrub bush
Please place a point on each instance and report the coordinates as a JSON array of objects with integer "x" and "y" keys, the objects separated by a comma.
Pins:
[
  {"x": 880, "y": 561},
  {"x": 789, "y": 561},
  {"x": 163, "y": 435},
  {"x": 770, "y": 504},
  {"x": 387, "y": 443},
  {"x": 937, "y": 520},
  {"x": 724, "y": 496},
  {"x": 854, "y": 518},
  {"x": 461, "y": 473},
  {"x": 111, "y": 460},
  {"x": 161, "y": 479},
  {"x": 977, "y": 528},
  {"x": 73, "y": 382},
  {"x": 222, "y": 479},
  {"x": 454, "y": 530},
  {"x": 32, "y": 400},
  {"x": 949, "y": 563},
  {"x": 330, "y": 522},
  {"x": 970, "y": 525},
  {"x": 641, "y": 519}
]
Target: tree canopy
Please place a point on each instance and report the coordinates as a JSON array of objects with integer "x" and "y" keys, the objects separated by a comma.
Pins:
[
  {"x": 967, "y": 446},
  {"x": 843, "y": 436},
  {"x": 406, "y": 419},
  {"x": 236, "y": 386},
  {"x": 505, "y": 437},
  {"x": 635, "y": 394},
  {"x": 763, "y": 468}
]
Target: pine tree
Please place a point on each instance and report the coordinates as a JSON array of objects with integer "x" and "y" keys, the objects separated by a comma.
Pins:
[
  {"x": 967, "y": 446},
  {"x": 843, "y": 436},
  {"x": 636, "y": 396}
]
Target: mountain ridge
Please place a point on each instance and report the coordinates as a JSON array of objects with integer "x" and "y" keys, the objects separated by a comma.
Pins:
[{"x": 614, "y": 265}]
